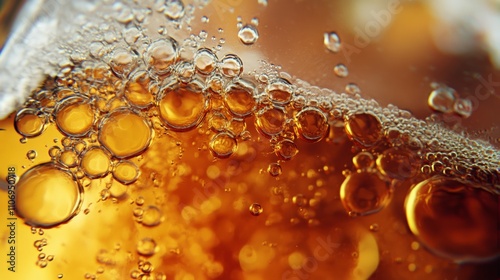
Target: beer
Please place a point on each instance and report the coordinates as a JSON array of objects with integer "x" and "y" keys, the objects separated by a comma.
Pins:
[{"x": 158, "y": 155}]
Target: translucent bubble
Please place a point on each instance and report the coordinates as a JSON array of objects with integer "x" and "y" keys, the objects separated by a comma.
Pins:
[
  {"x": 126, "y": 172},
  {"x": 47, "y": 195},
  {"x": 151, "y": 216},
  {"x": 185, "y": 71},
  {"x": 183, "y": 108},
  {"x": 68, "y": 158},
  {"x": 274, "y": 169},
  {"x": 205, "y": 19},
  {"x": 161, "y": 54},
  {"x": 231, "y": 65},
  {"x": 270, "y": 121},
  {"x": 398, "y": 163},
  {"x": 30, "y": 122},
  {"x": 331, "y": 40},
  {"x": 454, "y": 219},
  {"x": 255, "y": 209},
  {"x": 463, "y": 107},
  {"x": 286, "y": 149},
  {"x": 364, "y": 128},
  {"x": 218, "y": 122},
  {"x": 248, "y": 34},
  {"x": 205, "y": 61},
  {"x": 280, "y": 91},
  {"x": 442, "y": 99},
  {"x": 31, "y": 154},
  {"x": 124, "y": 133},
  {"x": 364, "y": 193},
  {"x": 223, "y": 145},
  {"x": 122, "y": 62},
  {"x": 341, "y": 70},
  {"x": 173, "y": 9},
  {"x": 74, "y": 115},
  {"x": 311, "y": 124},
  {"x": 363, "y": 160},
  {"x": 240, "y": 98},
  {"x": 299, "y": 200},
  {"x": 95, "y": 162},
  {"x": 352, "y": 88},
  {"x": 236, "y": 126},
  {"x": 146, "y": 247},
  {"x": 137, "y": 90}
]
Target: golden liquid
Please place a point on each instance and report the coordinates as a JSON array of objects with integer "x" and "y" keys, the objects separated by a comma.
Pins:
[{"x": 182, "y": 172}]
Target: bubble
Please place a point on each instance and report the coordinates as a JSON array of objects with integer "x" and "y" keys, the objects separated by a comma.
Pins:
[
  {"x": 363, "y": 160},
  {"x": 185, "y": 71},
  {"x": 255, "y": 209},
  {"x": 122, "y": 62},
  {"x": 286, "y": 149},
  {"x": 223, "y": 145},
  {"x": 270, "y": 121},
  {"x": 137, "y": 90},
  {"x": 236, "y": 126},
  {"x": 95, "y": 162},
  {"x": 173, "y": 9},
  {"x": 311, "y": 124},
  {"x": 231, "y": 65},
  {"x": 126, "y": 172},
  {"x": 74, "y": 115},
  {"x": 68, "y": 158},
  {"x": 364, "y": 128},
  {"x": 463, "y": 107},
  {"x": 442, "y": 99},
  {"x": 218, "y": 122},
  {"x": 352, "y": 88},
  {"x": 364, "y": 193},
  {"x": 30, "y": 122},
  {"x": 331, "y": 40},
  {"x": 47, "y": 195},
  {"x": 205, "y": 61},
  {"x": 299, "y": 200},
  {"x": 205, "y": 19},
  {"x": 341, "y": 70},
  {"x": 151, "y": 216},
  {"x": 454, "y": 219},
  {"x": 374, "y": 227},
  {"x": 183, "y": 108},
  {"x": 146, "y": 247},
  {"x": 274, "y": 169},
  {"x": 124, "y": 133},
  {"x": 280, "y": 91},
  {"x": 240, "y": 98},
  {"x": 31, "y": 154},
  {"x": 161, "y": 54},
  {"x": 248, "y": 34},
  {"x": 398, "y": 163}
]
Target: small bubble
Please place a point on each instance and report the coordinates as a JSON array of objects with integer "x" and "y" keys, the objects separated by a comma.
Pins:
[
  {"x": 255, "y": 209},
  {"x": 205, "y": 19},
  {"x": 331, "y": 40},
  {"x": 31, "y": 154},
  {"x": 248, "y": 34},
  {"x": 146, "y": 247},
  {"x": 341, "y": 70},
  {"x": 352, "y": 88},
  {"x": 442, "y": 99},
  {"x": 374, "y": 227},
  {"x": 274, "y": 169},
  {"x": 255, "y": 21}
]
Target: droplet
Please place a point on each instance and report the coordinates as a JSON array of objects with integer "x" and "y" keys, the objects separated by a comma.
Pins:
[
  {"x": 280, "y": 91},
  {"x": 161, "y": 54},
  {"x": 126, "y": 172},
  {"x": 231, "y": 65},
  {"x": 240, "y": 98},
  {"x": 341, "y": 70},
  {"x": 331, "y": 40},
  {"x": 248, "y": 34},
  {"x": 311, "y": 124},
  {"x": 74, "y": 115},
  {"x": 255, "y": 209},
  {"x": 270, "y": 121},
  {"x": 124, "y": 133},
  {"x": 442, "y": 99},
  {"x": 398, "y": 163},
  {"x": 274, "y": 169},
  {"x": 47, "y": 195},
  {"x": 183, "y": 108},
  {"x": 286, "y": 149},
  {"x": 364, "y": 128},
  {"x": 364, "y": 193},
  {"x": 205, "y": 61},
  {"x": 454, "y": 219},
  {"x": 30, "y": 122},
  {"x": 95, "y": 162},
  {"x": 146, "y": 247},
  {"x": 223, "y": 145}
]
